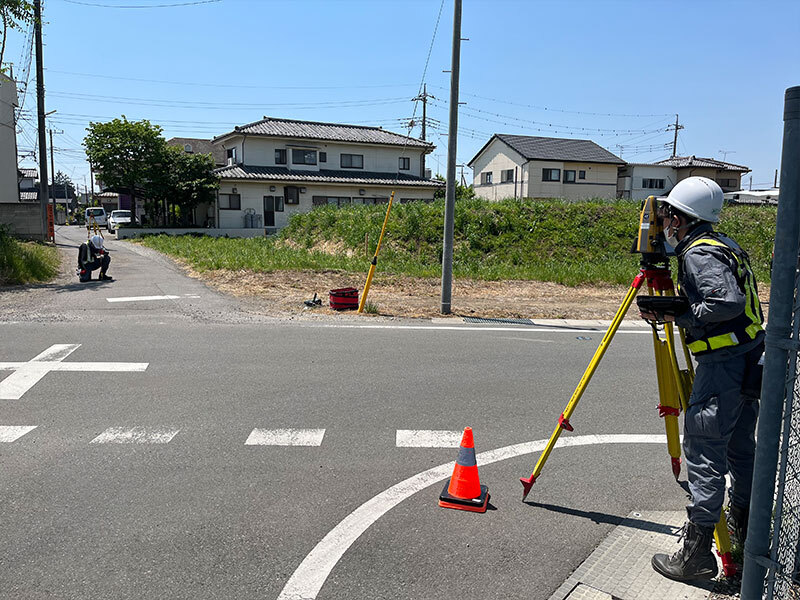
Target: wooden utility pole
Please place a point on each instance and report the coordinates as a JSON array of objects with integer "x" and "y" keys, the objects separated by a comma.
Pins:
[
  {"x": 677, "y": 127},
  {"x": 43, "y": 191}
]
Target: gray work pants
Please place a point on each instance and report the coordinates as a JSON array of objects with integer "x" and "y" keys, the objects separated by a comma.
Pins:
[{"x": 719, "y": 434}]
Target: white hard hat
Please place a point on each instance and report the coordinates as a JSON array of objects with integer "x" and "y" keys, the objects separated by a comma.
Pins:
[
  {"x": 698, "y": 197},
  {"x": 97, "y": 242}
]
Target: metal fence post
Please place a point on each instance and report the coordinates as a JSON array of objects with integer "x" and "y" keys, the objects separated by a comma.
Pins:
[{"x": 778, "y": 345}]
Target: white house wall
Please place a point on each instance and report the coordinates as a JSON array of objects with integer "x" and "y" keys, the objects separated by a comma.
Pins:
[
  {"x": 9, "y": 190},
  {"x": 498, "y": 157},
  {"x": 252, "y": 196},
  {"x": 631, "y": 178}
]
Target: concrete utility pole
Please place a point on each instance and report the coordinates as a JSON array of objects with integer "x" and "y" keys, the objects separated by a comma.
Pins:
[
  {"x": 423, "y": 97},
  {"x": 675, "y": 139},
  {"x": 43, "y": 191},
  {"x": 780, "y": 342},
  {"x": 776, "y": 179},
  {"x": 450, "y": 189}
]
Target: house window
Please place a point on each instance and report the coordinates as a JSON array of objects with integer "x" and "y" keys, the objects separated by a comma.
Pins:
[
  {"x": 352, "y": 161},
  {"x": 569, "y": 176},
  {"x": 486, "y": 178},
  {"x": 323, "y": 157},
  {"x": 230, "y": 202},
  {"x": 280, "y": 156},
  {"x": 405, "y": 163},
  {"x": 276, "y": 201},
  {"x": 581, "y": 174},
  {"x": 653, "y": 184},
  {"x": 551, "y": 174},
  {"x": 292, "y": 194},
  {"x": 230, "y": 154},
  {"x": 304, "y": 157},
  {"x": 728, "y": 183},
  {"x": 506, "y": 175}
]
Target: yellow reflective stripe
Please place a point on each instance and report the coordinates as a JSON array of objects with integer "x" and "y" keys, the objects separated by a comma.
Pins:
[
  {"x": 698, "y": 346},
  {"x": 709, "y": 241},
  {"x": 723, "y": 341},
  {"x": 753, "y": 329}
]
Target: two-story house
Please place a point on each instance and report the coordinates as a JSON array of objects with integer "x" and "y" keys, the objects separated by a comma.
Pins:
[
  {"x": 28, "y": 184},
  {"x": 524, "y": 166},
  {"x": 279, "y": 167},
  {"x": 637, "y": 181}
]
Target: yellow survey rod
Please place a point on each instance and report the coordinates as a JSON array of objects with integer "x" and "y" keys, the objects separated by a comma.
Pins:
[
  {"x": 563, "y": 421},
  {"x": 375, "y": 258}
]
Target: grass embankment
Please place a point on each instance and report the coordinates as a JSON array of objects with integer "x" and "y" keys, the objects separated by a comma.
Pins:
[
  {"x": 25, "y": 262},
  {"x": 563, "y": 242}
]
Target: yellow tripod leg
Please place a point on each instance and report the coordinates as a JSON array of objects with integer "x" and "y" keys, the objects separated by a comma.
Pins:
[
  {"x": 722, "y": 538},
  {"x": 563, "y": 421},
  {"x": 669, "y": 407}
]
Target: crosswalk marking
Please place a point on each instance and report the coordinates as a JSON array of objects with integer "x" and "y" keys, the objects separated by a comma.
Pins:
[
  {"x": 135, "y": 435},
  {"x": 10, "y": 433},
  {"x": 427, "y": 438},
  {"x": 285, "y": 437}
]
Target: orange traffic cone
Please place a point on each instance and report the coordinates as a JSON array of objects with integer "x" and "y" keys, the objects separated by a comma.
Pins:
[{"x": 464, "y": 491}]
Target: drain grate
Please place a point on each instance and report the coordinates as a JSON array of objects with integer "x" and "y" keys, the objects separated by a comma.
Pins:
[{"x": 511, "y": 321}]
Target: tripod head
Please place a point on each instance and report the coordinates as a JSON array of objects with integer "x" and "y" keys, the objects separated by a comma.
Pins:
[{"x": 650, "y": 241}]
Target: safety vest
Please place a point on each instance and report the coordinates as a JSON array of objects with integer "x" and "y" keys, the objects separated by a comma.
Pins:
[{"x": 743, "y": 328}]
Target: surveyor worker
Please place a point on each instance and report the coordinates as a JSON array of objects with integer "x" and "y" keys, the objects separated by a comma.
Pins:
[
  {"x": 724, "y": 332},
  {"x": 92, "y": 256}
]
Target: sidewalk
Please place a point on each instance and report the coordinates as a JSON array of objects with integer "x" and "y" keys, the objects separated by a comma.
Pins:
[{"x": 619, "y": 569}]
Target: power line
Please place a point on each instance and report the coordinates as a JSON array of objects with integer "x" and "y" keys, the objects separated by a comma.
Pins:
[{"x": 177, "y": 4}]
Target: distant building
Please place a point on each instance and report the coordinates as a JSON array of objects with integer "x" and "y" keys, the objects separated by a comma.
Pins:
[
  {"x": 523, "y": 166},
  {"x": 727, "y": 175},
  {"x": 9, "y": 191},
  {"x": 200, "y": 146},
  {"x": 758, "y": 197}
]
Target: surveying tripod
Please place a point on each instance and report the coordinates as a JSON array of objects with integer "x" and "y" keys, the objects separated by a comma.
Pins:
[{"x": 674, "y": 383}]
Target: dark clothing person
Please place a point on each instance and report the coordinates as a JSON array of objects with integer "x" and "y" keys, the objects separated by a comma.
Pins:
[{"x": 90, "y": 259}]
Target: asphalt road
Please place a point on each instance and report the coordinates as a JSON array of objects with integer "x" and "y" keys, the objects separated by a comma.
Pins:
[{"x": 187, "y": 509}]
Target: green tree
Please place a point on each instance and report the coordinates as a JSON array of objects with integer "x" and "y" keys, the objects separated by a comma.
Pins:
[
  {"x": 463, "y": 192},
  {"x": 127, "y": 154},
  {"x": 13, "y": 14},
  {"x": 185, "y": 181},
  {"x": 63, "y": 188}
]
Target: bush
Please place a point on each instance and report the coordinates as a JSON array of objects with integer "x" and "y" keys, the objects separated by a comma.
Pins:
[{"x": 25, "y": 262}]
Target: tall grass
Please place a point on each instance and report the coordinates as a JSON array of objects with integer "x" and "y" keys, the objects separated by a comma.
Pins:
[
  {"x": 565, "y": 242},
  {"x": 25, "y": 262}
]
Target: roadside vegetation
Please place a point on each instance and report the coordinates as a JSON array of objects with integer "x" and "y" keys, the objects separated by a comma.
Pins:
[
  {"x": 25, "y": 262},
  {"x": 570, "y": 243}
]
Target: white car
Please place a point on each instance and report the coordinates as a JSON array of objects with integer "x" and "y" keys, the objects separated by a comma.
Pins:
[
  {"x": 117, "y": 218},
  {"x": 97, "y": 215}
]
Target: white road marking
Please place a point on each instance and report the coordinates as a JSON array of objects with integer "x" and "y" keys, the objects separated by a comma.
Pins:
[
  {"x": 9, "y": 433},
  {"x": 427, "y": 438},
  {"x": 518, "y": 339},
  {"x": 141, "y": 298},
  {"x": 285, "y": 437},
  {"x": 135, "y": 435},
  {"x": 28, "y": 374},
  {"x": 309, "y": 577}
]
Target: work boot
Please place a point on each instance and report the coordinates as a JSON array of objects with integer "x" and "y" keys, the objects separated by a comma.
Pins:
[
  {"x": 104, "y": 277},
  {"x": 694, "y": 560},
  {"x": 738, "y": 518}
]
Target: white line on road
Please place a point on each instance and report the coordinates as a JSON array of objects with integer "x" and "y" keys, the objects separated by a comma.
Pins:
[
  {"x": 135, "y": 435},
  {"x": 309, "y": 577},
  {"x": 518, "y": 339},
  {"x": 285, "y": 437},
  {"x": 427, "y": 438},
  {"x": 465, "y": 328},
  {"x": 9, "y": 433},
  {"x": 141, "y": 298}
]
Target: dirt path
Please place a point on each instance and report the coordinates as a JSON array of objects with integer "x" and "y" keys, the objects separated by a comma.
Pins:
[{"x": 283, "y": 292}]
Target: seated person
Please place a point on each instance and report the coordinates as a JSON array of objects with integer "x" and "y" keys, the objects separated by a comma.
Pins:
[{"x": 91, "y": 256}]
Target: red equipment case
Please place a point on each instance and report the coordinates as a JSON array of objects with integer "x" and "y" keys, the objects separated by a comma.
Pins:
[{"x": 343, "y": 298}]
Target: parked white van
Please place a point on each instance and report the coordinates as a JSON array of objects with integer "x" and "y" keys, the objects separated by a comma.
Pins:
[{"x": 96, "y": 214}]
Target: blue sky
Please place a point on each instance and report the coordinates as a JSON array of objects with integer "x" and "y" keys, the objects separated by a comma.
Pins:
[{"x": 615, "y": 72}]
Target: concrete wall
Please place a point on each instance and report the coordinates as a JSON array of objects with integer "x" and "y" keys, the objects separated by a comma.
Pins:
[
  {"x": 260, "y": 151},
  {"x": 23, "y": 220},
  {"x": 252, "y": 196},
  {"x": 9, "y": 189}
]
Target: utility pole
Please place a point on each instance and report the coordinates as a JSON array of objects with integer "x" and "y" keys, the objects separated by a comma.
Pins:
[
  {"x": 675, "y": 139},
  {"x": 91, "y": 180},
  {"x": 423, "y": 97},
  {"x": 43, "y": 192},
  {"x": 450, "y": 189},
  {"x": 775, "y": 185}
]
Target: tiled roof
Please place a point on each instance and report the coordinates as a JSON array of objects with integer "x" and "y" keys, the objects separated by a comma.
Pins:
[
  {"x": 545, "y": 148},
  {"x": 335, "y": 132},
  {"x": 29, "y": 173},
  {"x": 697, "y": 161},
  {"x": 29, "y": 196},
  {"x": 200, "y": 146},
  {"x": 323, "y": 176}
]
